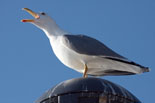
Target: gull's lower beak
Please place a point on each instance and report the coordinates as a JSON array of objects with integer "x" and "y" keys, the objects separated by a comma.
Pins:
[{"x": 35, "y": 15}]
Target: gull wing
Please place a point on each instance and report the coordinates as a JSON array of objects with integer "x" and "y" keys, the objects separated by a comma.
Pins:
[{"x": 86, "y": 45}]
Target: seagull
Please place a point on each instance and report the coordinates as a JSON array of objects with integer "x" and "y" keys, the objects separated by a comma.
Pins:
[{"x": 83, "y": 53}]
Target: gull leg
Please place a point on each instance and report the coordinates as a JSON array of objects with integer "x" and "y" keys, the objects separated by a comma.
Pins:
[{"x": 85, "y": 71}]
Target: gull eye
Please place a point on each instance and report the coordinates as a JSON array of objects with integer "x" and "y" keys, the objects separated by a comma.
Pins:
[{"x": 42, "y": 13}]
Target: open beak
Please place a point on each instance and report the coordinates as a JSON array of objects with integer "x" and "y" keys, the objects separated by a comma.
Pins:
[{"x": 35, "y": 15}]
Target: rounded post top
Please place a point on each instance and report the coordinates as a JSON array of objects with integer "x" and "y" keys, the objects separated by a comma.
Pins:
[{"x": 89, "y": 84}]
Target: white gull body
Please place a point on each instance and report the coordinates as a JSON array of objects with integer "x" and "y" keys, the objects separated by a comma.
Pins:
[{"x": 78, "y": 51}]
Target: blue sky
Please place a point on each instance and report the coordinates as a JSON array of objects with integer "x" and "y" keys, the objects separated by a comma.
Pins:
[{"x": 28, "y": 66}]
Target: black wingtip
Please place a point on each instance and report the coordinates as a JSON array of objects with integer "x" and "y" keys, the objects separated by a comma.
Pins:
[
  {"x": 118, "y": 72},
  {"x": 146, "y": 69}
]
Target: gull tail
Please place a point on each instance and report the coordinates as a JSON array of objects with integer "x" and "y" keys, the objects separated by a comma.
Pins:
[
  {"x": 110, "y": 66},
  {"x": 142, "y": 69}
]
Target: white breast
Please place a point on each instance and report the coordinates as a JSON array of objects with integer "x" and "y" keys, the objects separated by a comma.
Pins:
[{"x": 66, "y": 55}]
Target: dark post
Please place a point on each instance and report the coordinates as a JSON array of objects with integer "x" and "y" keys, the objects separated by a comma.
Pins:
[{"x": 87, "y": 90}]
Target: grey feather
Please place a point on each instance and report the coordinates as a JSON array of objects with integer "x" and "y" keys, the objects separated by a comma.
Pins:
[{"x": 86, "y": 45}]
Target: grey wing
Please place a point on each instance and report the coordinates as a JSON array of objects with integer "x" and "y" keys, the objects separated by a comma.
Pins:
[{"x": 86, "y": 45}]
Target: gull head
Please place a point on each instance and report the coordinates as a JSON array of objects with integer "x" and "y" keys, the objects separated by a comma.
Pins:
[{"x": 41, "y": 20}]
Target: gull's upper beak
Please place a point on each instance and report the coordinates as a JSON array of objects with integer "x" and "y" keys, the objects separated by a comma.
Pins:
[{"x": 35, "y": 15}]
